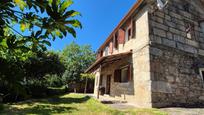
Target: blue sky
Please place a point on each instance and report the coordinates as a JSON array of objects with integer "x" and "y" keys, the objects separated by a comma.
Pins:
[{"x": 99, "y": 18}]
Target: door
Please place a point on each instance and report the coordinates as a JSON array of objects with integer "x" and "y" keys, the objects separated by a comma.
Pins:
[{"x": 108, "y": 84}]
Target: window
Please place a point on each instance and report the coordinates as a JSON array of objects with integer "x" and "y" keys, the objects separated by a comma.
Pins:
[
  {"x": 116, "y": 40},
  {"x": 111, "y": 46},
  {"x": 122, "y": 75},
  {"x": 106, "y": 50},
  {"x": 202, "y": 26},
  {"x": 202, "y": 73},
  {"x": 189, "y": 29},
  {"x": 186, "y": 7},
  {"x": 133, "y": 28},
  {"x": 128, "y": 34}
]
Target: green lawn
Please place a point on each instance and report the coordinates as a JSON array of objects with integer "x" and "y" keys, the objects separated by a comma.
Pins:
[{"x": 73, "y": 104}]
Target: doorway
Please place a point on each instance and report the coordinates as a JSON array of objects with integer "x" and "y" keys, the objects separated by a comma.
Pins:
[{"x": 108, "y": 84}]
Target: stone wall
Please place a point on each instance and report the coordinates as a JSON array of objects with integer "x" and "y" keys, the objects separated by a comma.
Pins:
[
  {"x": 142, "y": 80},
  {"x": 174, "y": 52},
  {"x": 141, "y": 61}
]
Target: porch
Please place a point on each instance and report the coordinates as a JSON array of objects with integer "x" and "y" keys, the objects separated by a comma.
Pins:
[
  {"x": 114, "y": 77},
  {"x": 114, "y": 102}
]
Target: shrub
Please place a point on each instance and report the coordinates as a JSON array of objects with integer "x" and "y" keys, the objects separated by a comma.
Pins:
[
  {"x": 36, "y": 88},
  {"x": 53, "y": 80},
  {"x": 56, "y": 90}
]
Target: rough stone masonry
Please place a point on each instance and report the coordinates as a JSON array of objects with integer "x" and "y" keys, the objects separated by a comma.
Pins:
[{"x": 176, "y": 54}]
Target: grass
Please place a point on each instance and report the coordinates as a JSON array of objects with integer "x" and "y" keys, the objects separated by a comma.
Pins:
[
  {"x": 1, "y": 107},
  {"x": 73, "y": 104},
  {"x": 57, "y": 88}
]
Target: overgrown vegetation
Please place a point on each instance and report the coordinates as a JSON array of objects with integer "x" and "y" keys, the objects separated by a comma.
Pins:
[
  {"x": 74, "y": 104},
  {"x": 26, "y": 30}
]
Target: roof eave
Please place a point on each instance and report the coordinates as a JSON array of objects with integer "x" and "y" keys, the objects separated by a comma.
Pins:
[{"x": 97, "y": 62}]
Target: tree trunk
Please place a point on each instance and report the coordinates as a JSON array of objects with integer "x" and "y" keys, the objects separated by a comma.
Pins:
[{"x": 75, "y": 91}]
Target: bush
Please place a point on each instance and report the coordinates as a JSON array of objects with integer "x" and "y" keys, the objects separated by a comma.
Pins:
[
  {"x": 48, "y": 86},
  {"x": 53, "y": 80},
  {"x": 56, "y": 91},
  {"x": 36, "y": 88}
]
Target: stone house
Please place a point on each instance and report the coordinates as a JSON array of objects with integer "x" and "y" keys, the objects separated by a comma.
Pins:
[{"x": 155, "y": 56}]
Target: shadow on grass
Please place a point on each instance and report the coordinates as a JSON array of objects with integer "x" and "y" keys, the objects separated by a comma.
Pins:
[
  {"x": 44, "y": 110},
  {"x": 49, "y": 106},
  {"x": 60, "y": 100}
]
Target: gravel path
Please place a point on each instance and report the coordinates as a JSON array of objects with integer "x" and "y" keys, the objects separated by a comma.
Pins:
[
  {"x": 184, "y": 111},
  {"x": 121, "y": 106}
]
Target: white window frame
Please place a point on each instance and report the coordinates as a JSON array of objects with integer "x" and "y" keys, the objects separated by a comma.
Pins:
[
  {"x": 124, "y": 68},
  {"x": 201, "y": 74},
  {"x": 202, "y": 26},
  {"x": 106, "y": 50},
  {"x": 125, "y": 76}
]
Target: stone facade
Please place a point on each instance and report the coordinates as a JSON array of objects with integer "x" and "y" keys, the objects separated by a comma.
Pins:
[
  {"x": 167, "y": 52},
  {"x": 175, "y": 80}
]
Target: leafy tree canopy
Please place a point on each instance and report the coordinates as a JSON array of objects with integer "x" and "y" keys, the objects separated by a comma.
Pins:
[
  {"x": 76, "y": 59},
  {"x": 39, "y": 20}
]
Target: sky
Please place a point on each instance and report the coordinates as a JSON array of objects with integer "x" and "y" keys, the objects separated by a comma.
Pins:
[{"x": 99, "y": 18}]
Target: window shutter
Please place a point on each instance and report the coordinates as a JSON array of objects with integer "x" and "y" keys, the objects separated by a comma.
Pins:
[
  {"x": 117, "y": 75},
  {"x": 129, "y": 73},
  {"x": 115, "y": 40},
  {"x": 121, "y": 38},
  {"x": 133, "y": 29}
]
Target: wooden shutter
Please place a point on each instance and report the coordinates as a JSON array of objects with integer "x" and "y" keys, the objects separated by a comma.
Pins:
[
  {"x": 133, "y": 29},
  {"x": 121, "y": 36},
  {"x": 129, "y": 73},
  {"x": 101, "y": 53},
  {"x": 117, "y": 75},
  {"x": 115, "y": 40}
]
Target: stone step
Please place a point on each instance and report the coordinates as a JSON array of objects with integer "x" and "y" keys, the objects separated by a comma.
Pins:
[{"x": 112, "y": 101}]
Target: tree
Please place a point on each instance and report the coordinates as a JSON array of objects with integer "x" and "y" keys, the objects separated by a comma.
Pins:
[
  {"x": 76, "y": 59},
  {"x": 43, "y": 63},
  {"x": 26, "y": 28},
  {"x": 40, "y": 21}
]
